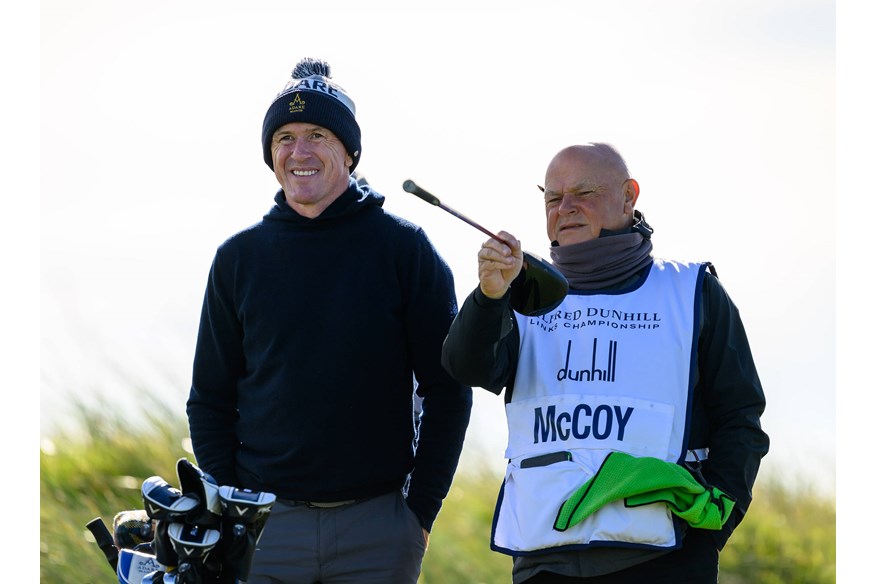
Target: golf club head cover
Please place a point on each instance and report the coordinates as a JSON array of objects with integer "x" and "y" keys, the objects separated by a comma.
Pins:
[
  {"x": 189, "y": 574},
  {"x": 169, "y": 577},
  {"x": 134, "y": 566},
  {"x": 196, "y": 483},
  {"x": 164, "y": 502},
  {"x": 156, "y": 577},
  {"x": 162, "y": 546},
  {"x": 244, "y": 516},
  {"x": 193, "y": 545},
  {"x": 132, "y": 528},
  {"x": 192, "y": 542}
]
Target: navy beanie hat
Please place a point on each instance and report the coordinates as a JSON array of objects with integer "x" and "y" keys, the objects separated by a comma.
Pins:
[{"x": 311, "y": 96}]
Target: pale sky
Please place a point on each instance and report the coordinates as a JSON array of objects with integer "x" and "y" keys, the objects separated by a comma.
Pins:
[
  {"x": 725, "y": 114},
  {"x": 151, "y": 116}
]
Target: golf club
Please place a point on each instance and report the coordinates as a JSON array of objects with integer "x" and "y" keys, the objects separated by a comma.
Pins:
[
  {"x": 104, "y": 540},
  {"x": 538, "y": 289}
]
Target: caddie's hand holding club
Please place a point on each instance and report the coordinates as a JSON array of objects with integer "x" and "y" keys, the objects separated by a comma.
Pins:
[{"x": 538, "y": 289}]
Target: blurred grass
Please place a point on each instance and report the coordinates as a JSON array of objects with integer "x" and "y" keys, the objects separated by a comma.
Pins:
[{"x": 97, "y": 469}]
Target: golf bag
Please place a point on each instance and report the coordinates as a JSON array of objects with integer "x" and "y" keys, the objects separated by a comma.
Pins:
[{"x": 201, "y": 533}]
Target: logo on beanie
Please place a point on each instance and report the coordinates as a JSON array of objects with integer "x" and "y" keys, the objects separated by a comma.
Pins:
[
  {"x": 296, "y": 105},
  {"x": 315, "y": 83},
  {"x": 318, "y": 83}
]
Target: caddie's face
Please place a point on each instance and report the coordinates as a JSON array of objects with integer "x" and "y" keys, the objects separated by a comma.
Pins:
[
  {"x": 584, "y": 194},
  {"x": 312, "y": 166}
]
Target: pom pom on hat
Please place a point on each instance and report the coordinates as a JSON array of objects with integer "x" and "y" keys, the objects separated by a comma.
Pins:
[{"x": 311, "y": 96}]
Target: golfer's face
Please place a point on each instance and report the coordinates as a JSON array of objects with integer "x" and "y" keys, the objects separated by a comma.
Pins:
[{"x": 312, "y": 166}]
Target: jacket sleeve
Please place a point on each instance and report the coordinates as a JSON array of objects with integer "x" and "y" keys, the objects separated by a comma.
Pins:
[
  {"x": 218, "y": 365},
  {"x": 732, "y": 399},
  {"x": 482, "y": 346},
  {"x": 446, "y": 403}
]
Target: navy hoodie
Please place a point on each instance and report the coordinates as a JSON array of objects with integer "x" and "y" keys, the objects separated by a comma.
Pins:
[{"x": 313, "y": 336}]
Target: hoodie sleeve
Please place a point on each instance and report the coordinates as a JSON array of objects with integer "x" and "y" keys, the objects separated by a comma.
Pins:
[
  {"x": 446, "y": 403},
  {"x": 218, "y": 365}
]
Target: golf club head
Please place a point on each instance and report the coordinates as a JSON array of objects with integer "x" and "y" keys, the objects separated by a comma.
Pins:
[{"x": 539, "y": 288}]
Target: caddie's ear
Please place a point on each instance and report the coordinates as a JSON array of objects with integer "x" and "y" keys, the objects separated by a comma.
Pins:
[{"x": 631, "y": 195}]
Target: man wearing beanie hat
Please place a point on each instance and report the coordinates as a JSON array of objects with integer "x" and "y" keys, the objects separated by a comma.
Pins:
[
  {"x": 317, "y": 373},
  {"x": 311, "y": 96}
]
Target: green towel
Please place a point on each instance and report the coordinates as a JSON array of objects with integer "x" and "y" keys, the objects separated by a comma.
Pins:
[{"x": 645, "y": 480}]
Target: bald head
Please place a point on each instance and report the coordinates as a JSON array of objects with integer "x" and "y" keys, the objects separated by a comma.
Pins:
[
  {"x": 596, "y": 155},
  {"x": 587, "y": 189}
]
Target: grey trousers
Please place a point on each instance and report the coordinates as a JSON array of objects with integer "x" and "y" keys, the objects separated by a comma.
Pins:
[{"x": 378, "y": 540}]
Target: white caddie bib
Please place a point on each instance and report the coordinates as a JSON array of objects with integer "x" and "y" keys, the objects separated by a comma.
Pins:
[{"x": 601, "y": 373}]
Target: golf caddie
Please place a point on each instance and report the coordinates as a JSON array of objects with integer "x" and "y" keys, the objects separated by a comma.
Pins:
[
  {"x": 633, "y": 407},
  {"x": 317, "y": 373}
]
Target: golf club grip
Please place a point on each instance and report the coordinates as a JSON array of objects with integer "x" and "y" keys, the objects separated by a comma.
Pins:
[
  {"x": 412, "y": 187},
  {"x": 104, "y": 540}
]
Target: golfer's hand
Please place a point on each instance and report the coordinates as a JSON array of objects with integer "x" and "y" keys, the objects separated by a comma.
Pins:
[{"x": 499, "y": 262}]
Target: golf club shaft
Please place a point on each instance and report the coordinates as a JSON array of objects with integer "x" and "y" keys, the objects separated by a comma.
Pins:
[{"x": 412, "y": 187}]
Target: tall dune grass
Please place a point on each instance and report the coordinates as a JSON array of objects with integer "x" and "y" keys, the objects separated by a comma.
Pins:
[{"x": 96, "y": 470}]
